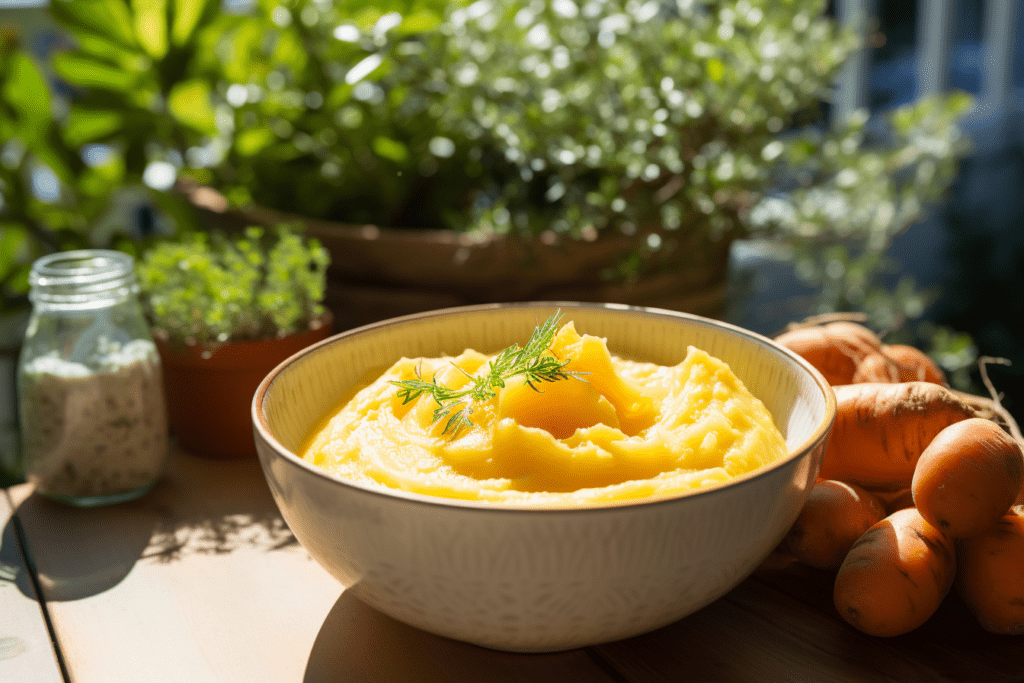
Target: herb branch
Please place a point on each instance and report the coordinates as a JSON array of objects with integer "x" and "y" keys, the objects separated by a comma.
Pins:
[{"x": 530, "y": 361}]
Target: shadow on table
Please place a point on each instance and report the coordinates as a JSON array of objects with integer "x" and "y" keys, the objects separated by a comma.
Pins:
[
  {"x": 200, "y": 506},
  {"x": 358, "y": 644},
  {"x": 76, "y": 552},
  {"x": 209, "y": 506},
  {"x": 11, "y": 566}
]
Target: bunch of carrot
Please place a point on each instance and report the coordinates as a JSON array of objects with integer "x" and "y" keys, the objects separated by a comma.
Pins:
[{"x": 920, "y": 489}]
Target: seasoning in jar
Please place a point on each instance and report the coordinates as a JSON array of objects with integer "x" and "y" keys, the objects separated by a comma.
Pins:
[{"x": 93, "y": 417}]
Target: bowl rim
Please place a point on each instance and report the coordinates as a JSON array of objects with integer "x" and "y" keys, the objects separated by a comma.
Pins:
[{"x": 259, "y": 418}]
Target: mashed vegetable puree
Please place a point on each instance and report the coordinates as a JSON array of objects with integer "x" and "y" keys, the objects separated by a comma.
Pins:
[{"x": 624, "y": 430}]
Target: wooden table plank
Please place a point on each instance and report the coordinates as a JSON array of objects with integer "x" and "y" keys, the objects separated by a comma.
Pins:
[
  {"x": 780, "y": 624},
  {"x": 198, "y": 581},
  {"x": 358, "y": 643},
  {"x": 201, "y": 580},
  {"x": 724, "y": 643},
  {"x": 26, "y": 650},
  {"x": 950, "y": 646}
]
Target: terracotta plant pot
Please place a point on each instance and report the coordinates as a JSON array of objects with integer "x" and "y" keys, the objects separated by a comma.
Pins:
[{"x": 209, "y": 392}]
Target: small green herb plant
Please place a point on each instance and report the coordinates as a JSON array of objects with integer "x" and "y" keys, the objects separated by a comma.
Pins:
[
  {"x": 530, "y": 361},
  {"x": 211, "y": 288}
]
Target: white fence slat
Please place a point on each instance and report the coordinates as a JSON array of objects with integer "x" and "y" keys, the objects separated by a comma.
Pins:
[
  {"x": 852, "y": 85},
  {"x": 934, "y": 45},
  {"x": 1001, "y": 21}
]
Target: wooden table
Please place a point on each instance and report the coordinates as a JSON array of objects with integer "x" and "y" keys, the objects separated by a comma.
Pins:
[{"x": 201, "y": 581}]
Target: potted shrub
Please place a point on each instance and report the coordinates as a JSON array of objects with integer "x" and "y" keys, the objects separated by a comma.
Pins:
[
  {"x": 225, "y": 310},
  {"x": 448, "y": 152}
]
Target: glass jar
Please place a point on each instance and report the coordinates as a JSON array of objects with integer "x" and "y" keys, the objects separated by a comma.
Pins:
[{"x": 91, "y": 401}]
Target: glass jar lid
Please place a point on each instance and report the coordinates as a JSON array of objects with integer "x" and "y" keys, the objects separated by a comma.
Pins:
[{"x": 82, "y": 276}]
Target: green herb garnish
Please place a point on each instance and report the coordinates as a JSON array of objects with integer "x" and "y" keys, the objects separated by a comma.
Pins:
[{"x": 530, "y": 361}]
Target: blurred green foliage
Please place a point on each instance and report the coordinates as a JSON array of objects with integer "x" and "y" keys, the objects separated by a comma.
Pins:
[
  {"x": 563, "y": 118},
  {"x": 847, "y": 194},
  {"x": 210, "y": 289}
]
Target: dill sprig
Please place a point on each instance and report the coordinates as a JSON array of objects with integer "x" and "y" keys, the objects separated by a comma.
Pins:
[{"x": 530, "y": 361}]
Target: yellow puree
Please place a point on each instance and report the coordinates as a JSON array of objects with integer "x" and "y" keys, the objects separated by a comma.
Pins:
[{"x": 626, "y": 430}]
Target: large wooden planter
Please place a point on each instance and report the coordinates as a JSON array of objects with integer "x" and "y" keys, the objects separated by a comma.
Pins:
[
  {"x": 209, "y": 391},
  {"x": 378, "y": 273}
]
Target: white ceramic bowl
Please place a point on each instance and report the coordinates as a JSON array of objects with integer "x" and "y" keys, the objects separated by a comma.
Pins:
[{"x": 528, "y": 579}]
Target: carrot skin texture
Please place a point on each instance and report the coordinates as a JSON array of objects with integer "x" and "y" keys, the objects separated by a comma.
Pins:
[
  {"x": 898, "y": 363},
  {"x": 895, "y": 500},
  {"x": 914, "y": 365},
  {"x": 835, "y": 349},
  {"x": 833, "y": 518},
  {"x": 990, "y": 574},
  {"x": 968, "y": 477},
  {"x": 876, "y": 367},
  {"x": 881, "y": 430},
  {"x": 895, "y": 576}
]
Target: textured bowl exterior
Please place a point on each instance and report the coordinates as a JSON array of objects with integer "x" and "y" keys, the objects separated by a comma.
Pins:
[{"x": 529, "y": 579}]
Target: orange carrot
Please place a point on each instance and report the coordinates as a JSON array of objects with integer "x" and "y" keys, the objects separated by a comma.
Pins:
[
  {"x": 876, "y": 367},
  {"x": 990, "y": 574},
  {"x": 895, "y": 500},
  {"x": 881, "y": 430},
  {"x": 914, "y": 365},
  {"x": 895, "y": 575},
  {"x": 835, "y": 349},
  {"x": 968, "y": 477},
  {"x": 833, "y": 518},
  {"x": 898, "y": 363}
]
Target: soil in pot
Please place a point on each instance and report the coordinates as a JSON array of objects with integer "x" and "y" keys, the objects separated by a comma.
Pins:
[{"x": 209, "y": 391}]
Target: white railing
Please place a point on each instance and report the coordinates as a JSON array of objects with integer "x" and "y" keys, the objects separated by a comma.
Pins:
[
  {"x": 997, "y": 106},
  {"x": 853, "y": 86}
]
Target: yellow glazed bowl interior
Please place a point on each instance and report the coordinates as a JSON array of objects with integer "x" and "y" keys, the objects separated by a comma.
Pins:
[{"x": 536, "y": 579}]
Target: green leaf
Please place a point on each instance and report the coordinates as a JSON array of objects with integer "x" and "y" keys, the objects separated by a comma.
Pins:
[
  {"x": 150, "y": 19},
  {"x": 420, "y": 21},
  {"x": 87, "y": 72},
  {"x": 959, "y": 102},
  {"x": 13, "y": 239},
  {"x": 51, "y": 150},
  {"x": 366, "y": 17},
  {"x": 189, "y": 103},
  {"x": 189, "y": 15},
  {"x": 240, "y": 52},
  {"x": 84, "y": 125},
  {"x": 104, "y": 50},
  {"x": 26, "y": 92},
  {"x": 250, "y": 141},
  {"x": 390, "y": 149},
  {"x": 97, "y": 181},
  {"x": 290, "y": 51},
  {"x": 108, "y": 18},
  {"x": 716, "y": 70}
]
